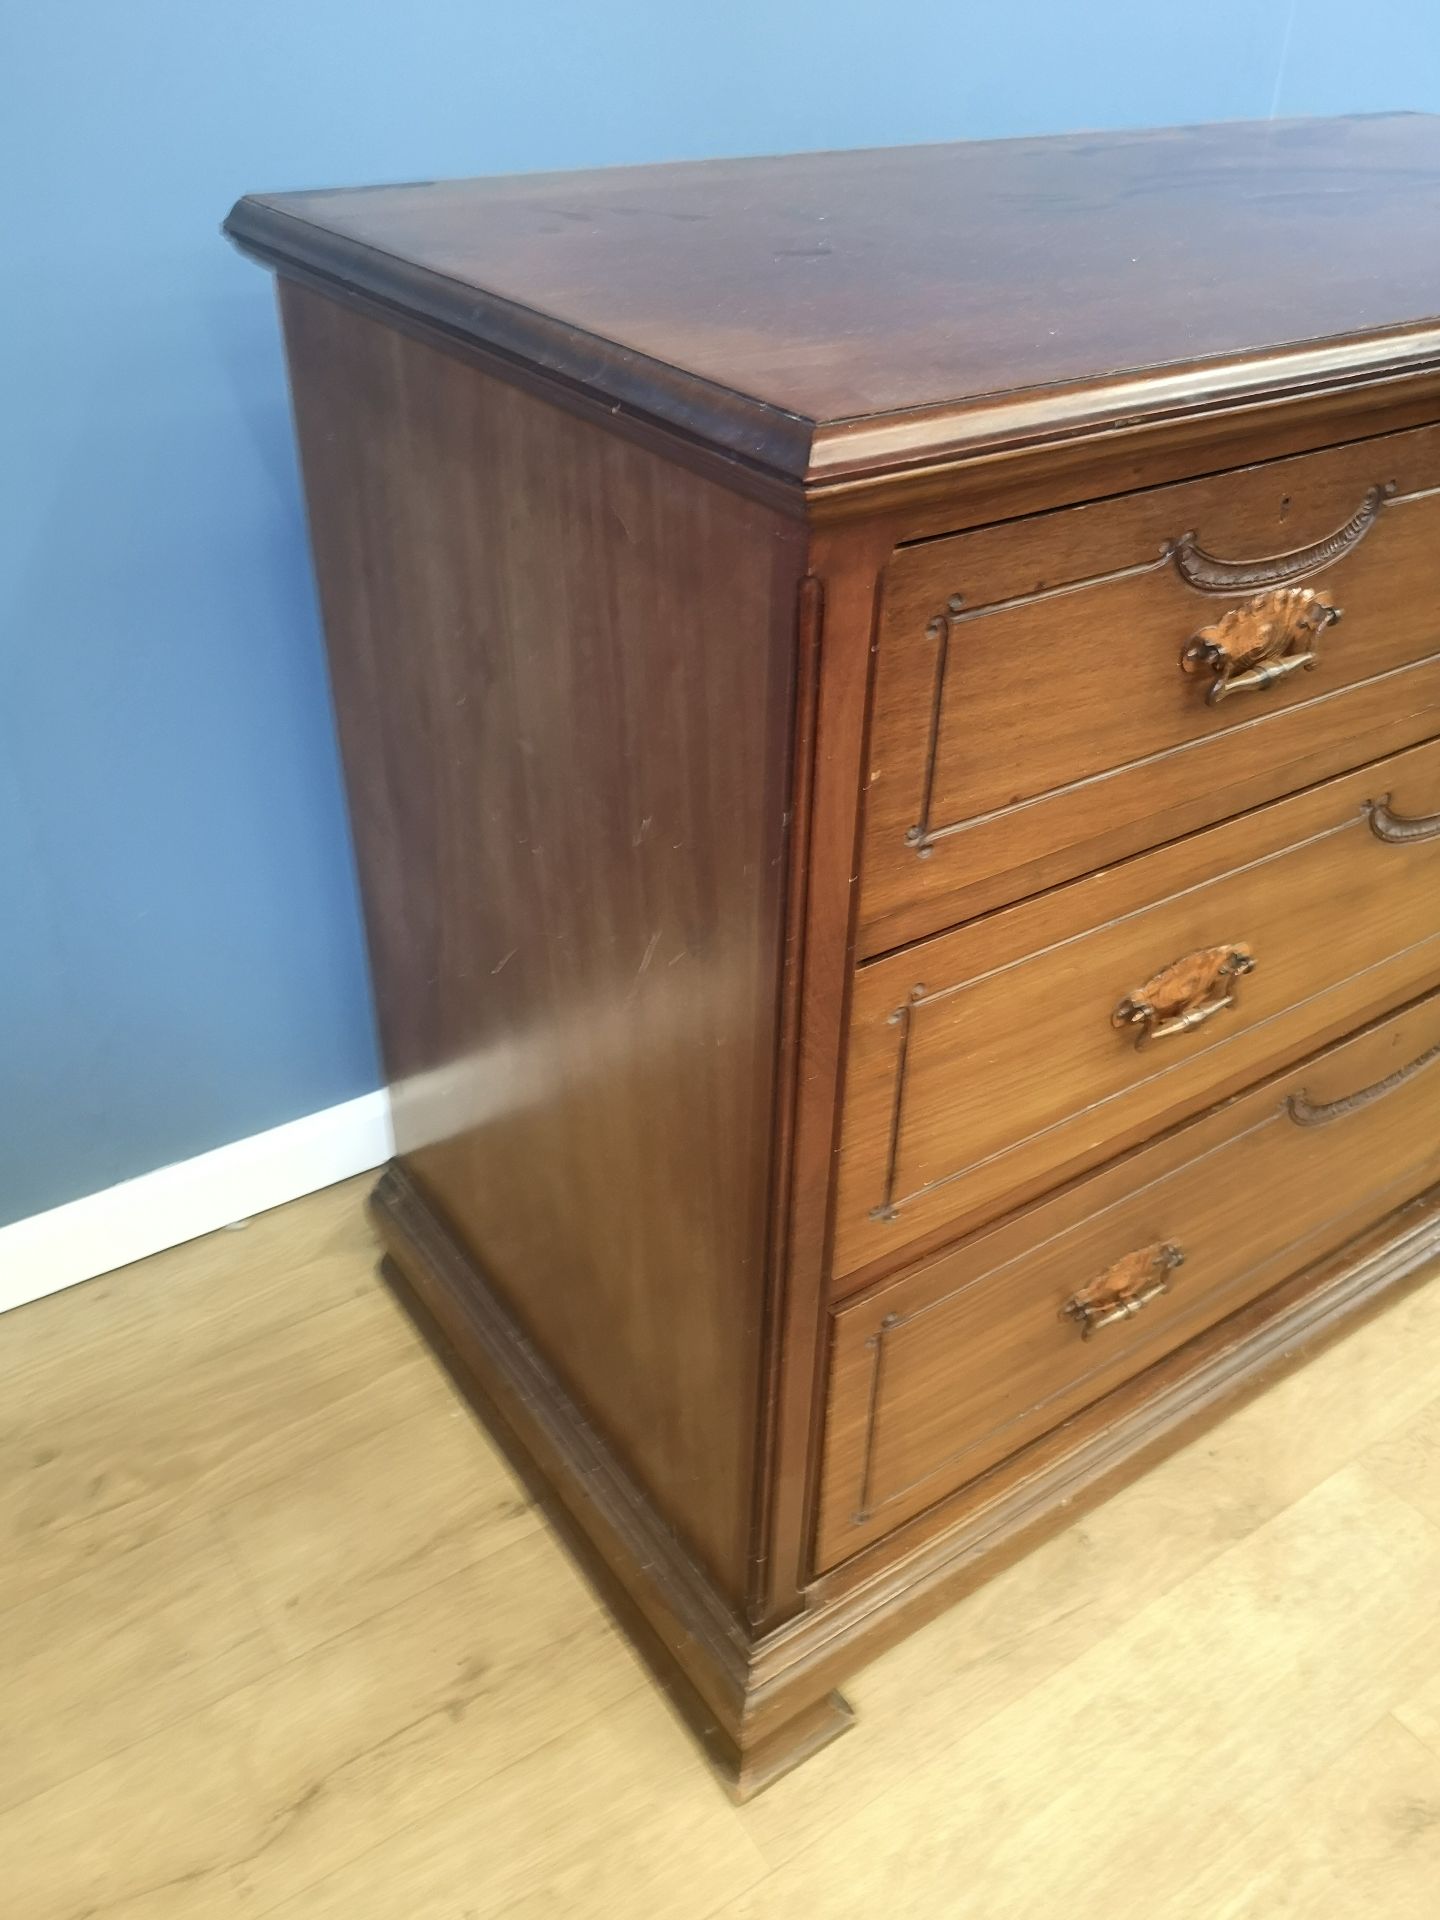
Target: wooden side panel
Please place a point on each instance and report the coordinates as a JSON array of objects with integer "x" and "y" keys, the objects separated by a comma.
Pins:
[{"x": 564, "y": 676}]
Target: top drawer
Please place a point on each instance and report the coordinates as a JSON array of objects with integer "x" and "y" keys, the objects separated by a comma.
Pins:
[{"x": 1032, "y": 716}]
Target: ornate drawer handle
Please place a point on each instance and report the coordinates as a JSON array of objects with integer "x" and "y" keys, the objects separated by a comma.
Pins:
[
  {"x": 1253, "y": 646},
  {"x": 1394, "y": 829},
  {"x": 1132, "y": 1283},
  {"x": 1185, "y": 994},
  {"x": 1197, "y": 568},
  {"x": 1306, "y": 1112}
]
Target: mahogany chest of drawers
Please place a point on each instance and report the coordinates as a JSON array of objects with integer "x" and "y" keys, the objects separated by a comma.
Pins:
[{"x": 891, "y": 708}]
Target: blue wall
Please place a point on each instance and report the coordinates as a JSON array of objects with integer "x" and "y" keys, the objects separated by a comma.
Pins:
[{"x": 180, "y": 955}]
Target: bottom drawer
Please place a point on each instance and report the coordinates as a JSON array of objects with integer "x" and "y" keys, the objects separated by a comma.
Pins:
[{"x": 937, "y": 1375}]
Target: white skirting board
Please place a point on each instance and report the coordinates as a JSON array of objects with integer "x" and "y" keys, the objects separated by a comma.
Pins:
[{"x": 106, "y": 1230}]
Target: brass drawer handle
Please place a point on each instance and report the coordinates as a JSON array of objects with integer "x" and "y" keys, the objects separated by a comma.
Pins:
[
  {"x": 1210, "y": 574},
  {"x": 1253, "y": 646},
  {"x": 1306, "y": 1112},
  {"x": 1394, "y": 829},
  {"x": 1119, "y": 1294},
  {"x": 1185, "y": 994}
]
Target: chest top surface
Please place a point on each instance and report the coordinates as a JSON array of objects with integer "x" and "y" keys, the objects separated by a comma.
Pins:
[{"x": 775, "y": 306}]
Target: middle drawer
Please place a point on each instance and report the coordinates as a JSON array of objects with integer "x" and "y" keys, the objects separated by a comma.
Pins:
[{"x": 988, "y": 1064}]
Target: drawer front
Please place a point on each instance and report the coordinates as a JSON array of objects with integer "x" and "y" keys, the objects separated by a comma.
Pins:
[
  {"x": 987, "y": 1064},
  {"x": 942, "y": 1374},
  {"x": 1033, "y": 715}
]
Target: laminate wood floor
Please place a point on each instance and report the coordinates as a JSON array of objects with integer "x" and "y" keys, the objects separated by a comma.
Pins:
[{"x": 283, "y": 1636}]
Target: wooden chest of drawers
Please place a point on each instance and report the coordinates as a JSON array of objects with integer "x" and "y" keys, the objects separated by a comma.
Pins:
[{"x": 891, "y": 708}]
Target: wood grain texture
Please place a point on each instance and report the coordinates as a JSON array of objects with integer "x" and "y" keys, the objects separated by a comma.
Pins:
[
  {"x": 1408, "y": 1461},
  {"x": 1120, "y": 1784},
  {"x": 1044, "y": 723},
  {"x": 779, "y": 674},
  {"x": 688, "y": 1629},
  {"x": 876, "y": 296},
  {"x": 985, "y": 1064},
  {"x": 846, "y": 568},
  {"x": 460, "y": 1511},
  {"x": 221, "y": 1421},
  {"x": 752, "y": 1698},
  {"x": 1421, "y": 1712},
  {"x": 1246, "y": 1197},
  {"x": 564, "y": 679},
  {"x": 145, "y": 1636},
  {"x": 355, "y": 1777},
  {"x": 1360, "y": 1837},
  {"x": 1018, "y": 1631},
  {"x": 981, "y": 483}
]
